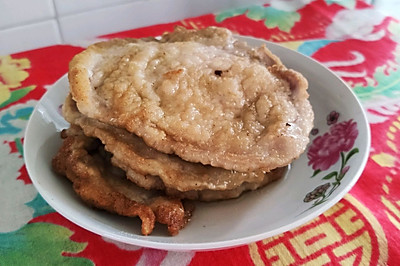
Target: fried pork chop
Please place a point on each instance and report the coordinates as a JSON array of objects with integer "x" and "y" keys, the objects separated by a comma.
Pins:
[
  {"x": 152, "y": 169},
  {"x": 202, "y": 95},
  {"x": 82, "y": 160}
]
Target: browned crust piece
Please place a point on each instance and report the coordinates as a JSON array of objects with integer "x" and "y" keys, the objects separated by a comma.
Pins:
[
  {"x": 101, "y": 187},
  {"x": 278, "y": 139},
  {"x": 151, "y": 169},
  {"x": 155, "y": 182}
]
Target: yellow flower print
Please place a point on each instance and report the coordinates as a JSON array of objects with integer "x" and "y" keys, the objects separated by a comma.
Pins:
[{"x": 12, "y": 73}]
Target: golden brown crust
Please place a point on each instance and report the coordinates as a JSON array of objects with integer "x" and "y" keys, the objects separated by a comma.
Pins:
[
  {"x": 152, "y": 169},
  {"x": 214, "y": 195},
  {"x": 252, "y": 133},
  {"x": 195, "y": 114},
  {"x": 100, "y": 187}
]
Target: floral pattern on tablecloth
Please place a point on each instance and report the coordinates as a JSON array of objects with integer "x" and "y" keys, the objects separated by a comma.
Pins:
[{"x": 349, "y": 37}]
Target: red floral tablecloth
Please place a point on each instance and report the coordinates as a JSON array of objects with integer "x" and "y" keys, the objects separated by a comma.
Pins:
[{"x": 359, "y": 44}]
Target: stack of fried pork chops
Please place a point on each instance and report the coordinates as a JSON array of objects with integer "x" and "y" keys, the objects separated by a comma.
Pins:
[{"x": 193, "y": 115}]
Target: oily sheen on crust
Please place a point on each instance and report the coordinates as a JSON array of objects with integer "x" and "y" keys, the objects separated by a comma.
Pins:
[
  {"x": 201, "y": 95},
  {"x": 82, "y": 160},
  {"x": 151, "y": 169}
]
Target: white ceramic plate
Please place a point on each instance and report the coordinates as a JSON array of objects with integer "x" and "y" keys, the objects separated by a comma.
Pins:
[{"x": 279, "y": 207}]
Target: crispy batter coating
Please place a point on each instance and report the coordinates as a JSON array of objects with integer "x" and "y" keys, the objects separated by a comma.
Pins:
[
  {"x": 152, "y": 169},
  {"x": 199, "y": 94},
  {"x": 195, "y": 114},
  {"x": 82, "y": 160}
]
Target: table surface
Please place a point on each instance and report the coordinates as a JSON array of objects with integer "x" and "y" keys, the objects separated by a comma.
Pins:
[{"x": 355, "y": 41}]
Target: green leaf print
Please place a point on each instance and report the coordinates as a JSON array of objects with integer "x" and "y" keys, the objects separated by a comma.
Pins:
[
  {"x": 40, "y": 244},
  {"x": 330, "y": 175},
  {"x": 387, "y": 84},
  {"x": 40, "y": 206},
  {"x": 349, "y": 4},
  {"x": 230, "y": 13},
  {"x": 272, "y": 17},
  {"x": 394, "y": 29},
  {"x": 17, "y": 94}
]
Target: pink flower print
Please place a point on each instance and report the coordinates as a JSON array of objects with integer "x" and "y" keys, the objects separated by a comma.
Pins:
[
  {"x": 332, "y": 118},
  {"x": 346, "y": 133},
  {"x": 345, "y": 170},
  {"x": 314, "y": 131},
  {"x": 325, "y": 150}
]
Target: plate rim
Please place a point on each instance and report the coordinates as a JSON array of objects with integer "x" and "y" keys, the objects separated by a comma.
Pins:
[{"x": 222, "y": 244}]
